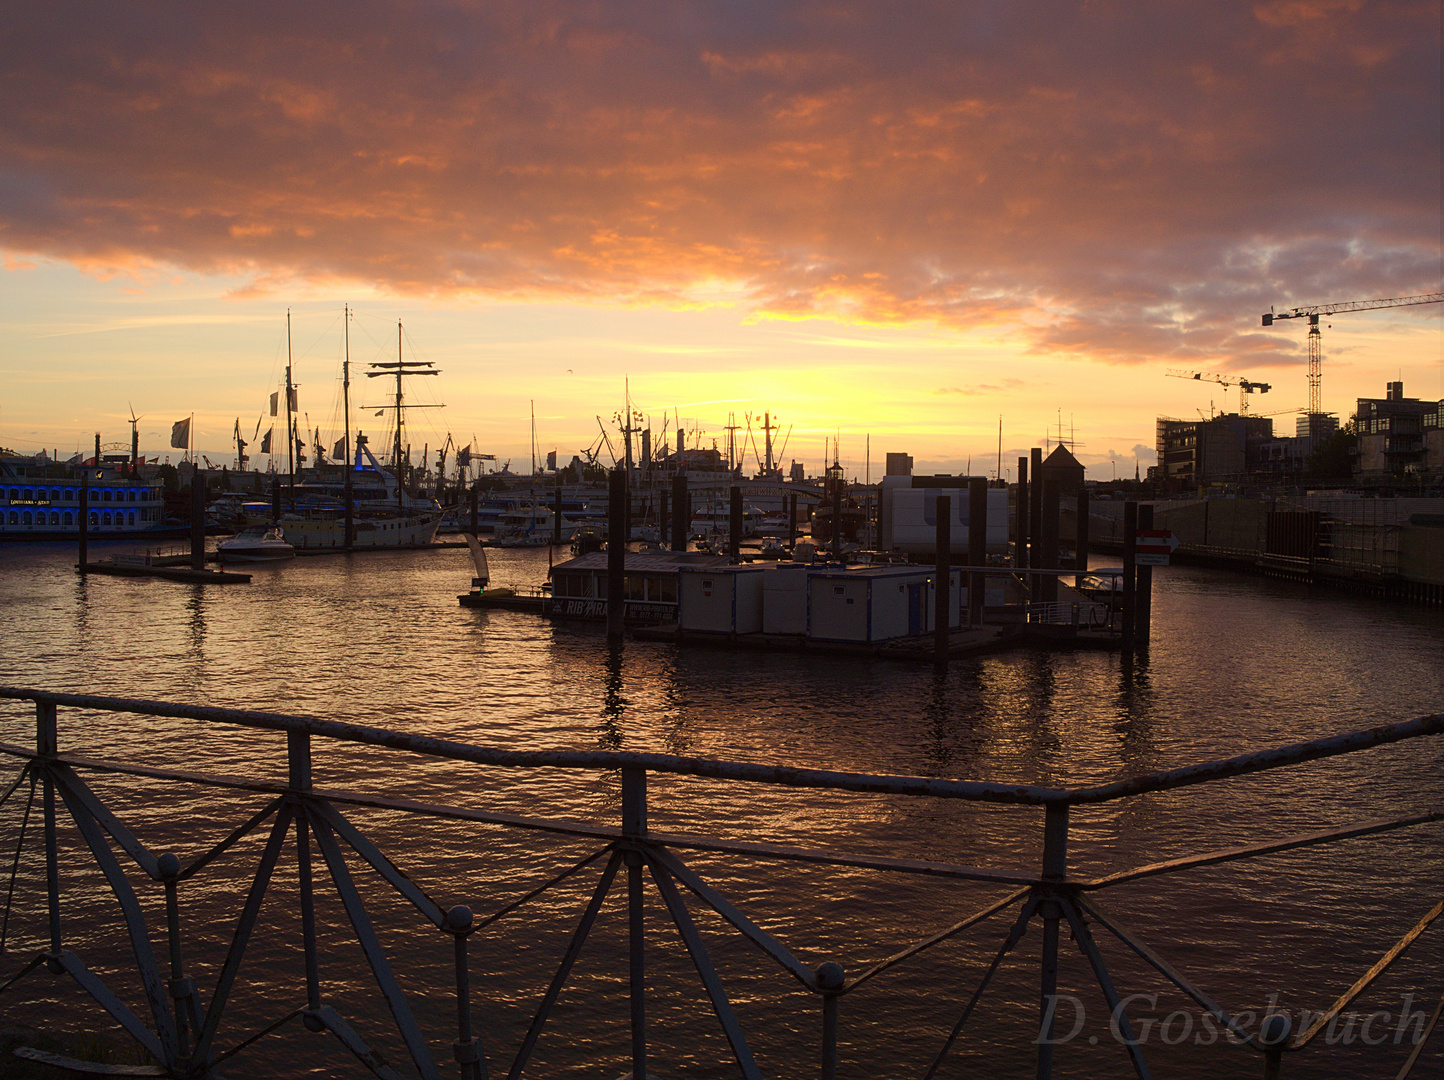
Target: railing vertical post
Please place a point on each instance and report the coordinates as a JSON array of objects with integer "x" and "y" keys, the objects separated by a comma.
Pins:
[
  {"x": 466, "y": 1049},
  {"x": 298, "y": 748},
  {"x": 830, "y": 978},
  {"x": 47, "y": 743},
  {"x": 634, "y": 826},
  {"x": 182, "y": 989},
  {"x": 1274, "y": 1033},
  {"x": 1055, "y": 868}
]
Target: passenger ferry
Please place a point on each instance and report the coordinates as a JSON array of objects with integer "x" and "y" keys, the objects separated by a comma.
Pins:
[{"x": 41, "y": 501}]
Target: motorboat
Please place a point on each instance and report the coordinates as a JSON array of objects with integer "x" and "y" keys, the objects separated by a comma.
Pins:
[{"x": 260, "y": 543}]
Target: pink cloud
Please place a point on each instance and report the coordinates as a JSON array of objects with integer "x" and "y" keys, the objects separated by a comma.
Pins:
[{"x": 1117, "y": 182}]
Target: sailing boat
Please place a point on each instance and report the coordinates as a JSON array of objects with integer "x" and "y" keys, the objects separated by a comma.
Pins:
[{"x": 367, "y": 506}]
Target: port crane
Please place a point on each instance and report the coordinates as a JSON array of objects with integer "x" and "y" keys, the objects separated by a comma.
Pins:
[
  {"x": 1316, "y": 348},
  {"x": 1245, "y": 386}
]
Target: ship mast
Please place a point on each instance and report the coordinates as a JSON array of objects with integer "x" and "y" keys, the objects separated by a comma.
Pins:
[
  {"x": 401, "y": 367},
  {"x": 347, "y": 462},
  {"x": 290, "y": 429}
]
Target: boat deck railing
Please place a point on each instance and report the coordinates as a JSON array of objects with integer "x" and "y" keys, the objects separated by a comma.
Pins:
[{"x": 181, "y": 1027}]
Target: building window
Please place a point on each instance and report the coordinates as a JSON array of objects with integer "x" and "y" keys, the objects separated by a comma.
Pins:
[
  {"x": 94, "y": 519},
  {"x": 25, "y": 518},
  {"x": 29, "y": 495},
  {"x": 14, "y": 518},
  {"x": 132, "y": 517},
  {"x": 55, "y": 517},
  {"x": 69, "y": 519},
  {"x": 105, "y": 518}
]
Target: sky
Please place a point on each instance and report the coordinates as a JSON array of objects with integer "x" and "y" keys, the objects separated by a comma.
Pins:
[{"x": 895, "y": 226}]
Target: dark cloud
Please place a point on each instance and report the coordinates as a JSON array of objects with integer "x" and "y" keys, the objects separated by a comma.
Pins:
[{"x": 1126, "y": 181}]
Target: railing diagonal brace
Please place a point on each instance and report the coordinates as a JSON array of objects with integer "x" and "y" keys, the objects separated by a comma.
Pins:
[
  {"x": 724, "y": 907},
  {"x": 30, "y": 966},
  {"x": 105, "y": 997},
  {"x": 703, "y": 963},
  {"x": 336, "y": 1024},
  {"x": 569, "y": 958},
  {"x": 936, "y": 939},
  {"x": 244, "y": 927},
  {"x": 1015, "y": 934},
  {"x": 1166, "y": 969},
  {"x": 1084, "y": 937},
  {"x": 507, "y": 909},
  {"x": 152, "y": 983},
  {"x": 1380, "y": 966},
  {"x": 15, "y": 863},
  {"x": 81, "y": 793},
  {"x": 1414, "y": 1055},
  {"x": 25, "y": 772},
  {"x": 1288, "y": 843},
  {"x": 238, "y": 833},
  {"x": 371, "y": 946},
  {"x": 393, "y": 874}
]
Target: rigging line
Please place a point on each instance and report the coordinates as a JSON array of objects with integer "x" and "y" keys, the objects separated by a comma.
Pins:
[{"x": 15, "y": 865}]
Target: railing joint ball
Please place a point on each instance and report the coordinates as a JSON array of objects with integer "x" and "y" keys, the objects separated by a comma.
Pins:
[
  {"x": 53, "y": 965},
  {"x": 313, "y": 1022},
  {"x": 466, "y": 1051},
  {"x": 1051, "y": 908},
  {"x": 168, "y": 866},
  {"x": 181, "y": 988},
  {"x": 458, "y": 920},
  {"x": 829, "y": 977},
  {"x": 632, "y": 857},
  {"x": 1273, "y": 1035}
]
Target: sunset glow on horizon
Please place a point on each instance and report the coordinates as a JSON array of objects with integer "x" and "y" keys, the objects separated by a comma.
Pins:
[{"x": 892, "y": 226}]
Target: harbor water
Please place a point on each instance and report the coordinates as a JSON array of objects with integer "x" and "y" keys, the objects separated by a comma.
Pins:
[{"x": 1237, "y": 664}]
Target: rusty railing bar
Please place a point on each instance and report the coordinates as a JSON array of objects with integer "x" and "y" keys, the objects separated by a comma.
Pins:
[
  {"x": 393, "y": 874},
  {"x": 569, "y": 958},
  {"x": 371, "y": 945},
  {"x": 697, "y": 950},
  {"x": 1380, "y": 966},
  {"x": 1089, "y": 947},
  {"x": 1014, "y": 935},
  {"x": 24, "y": 772},
  {"x": 1408, "y": 1065},
  {"x": 244, "y": 927},
  {"x": 936, "y": 939},
  {"x": 1165, "y": 969},
  {"x": 151, "y": 982},
  {"x": 729, "y": 911},
  {"x": 551, "y": 883},
  {"x": 15, "y": 862},
  {"x": 128, "y": 841},
  {"x": 1222, "y": 855},
  {"x": 785, "y": 776},
  {"x": 238, "y": 833},
  {"x": 106, "y": 998}
]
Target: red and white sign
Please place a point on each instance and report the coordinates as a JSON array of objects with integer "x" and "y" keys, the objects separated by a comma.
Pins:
[{"x": 1153, "y": 546}]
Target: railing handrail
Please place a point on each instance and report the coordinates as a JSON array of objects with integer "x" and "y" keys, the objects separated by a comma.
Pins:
[{"x": 778, "y": 775}]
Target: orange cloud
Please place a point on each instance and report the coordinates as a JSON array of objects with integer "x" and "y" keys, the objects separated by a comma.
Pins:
[{"x": 1117, "y": 182}]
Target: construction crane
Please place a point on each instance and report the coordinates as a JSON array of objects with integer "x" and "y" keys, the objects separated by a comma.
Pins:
[
  {"x": 1245, "y": 386},
  {"x": 1316, "y": 348}
]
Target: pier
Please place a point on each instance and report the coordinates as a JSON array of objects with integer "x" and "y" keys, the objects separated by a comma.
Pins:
[{"x": 281, "y": 818}]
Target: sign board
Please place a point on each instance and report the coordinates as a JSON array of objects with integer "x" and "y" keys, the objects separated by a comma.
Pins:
[{"x": 1153, "y": 546}]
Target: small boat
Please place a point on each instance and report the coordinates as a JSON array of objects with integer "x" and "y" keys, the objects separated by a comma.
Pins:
[
  {"x": 260, "y": 543},
  {"x": 1104, "y": 586},
  {"x": 772, "y": 549}
]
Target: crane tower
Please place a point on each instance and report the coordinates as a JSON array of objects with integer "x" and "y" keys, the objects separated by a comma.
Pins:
[{"x": 1316, "y": 348}]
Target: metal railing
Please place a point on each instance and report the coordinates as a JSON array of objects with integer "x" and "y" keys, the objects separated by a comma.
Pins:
[
  {"x": 1078, "y": 614},
  {"x": 182, "y": 1031}
]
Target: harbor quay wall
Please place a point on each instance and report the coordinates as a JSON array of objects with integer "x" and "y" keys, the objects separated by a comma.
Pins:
[{"x": 1387, "y": 547}]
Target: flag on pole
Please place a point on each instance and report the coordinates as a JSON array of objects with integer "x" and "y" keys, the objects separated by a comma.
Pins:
[
  {"x": 180, "y": 434},
  {"x": 463, "y": 457},
  {"x": 266, "y": 440},
  {"x": 552, "y": 460},
  {"x": 274, "y": 399},
  {"x": 339, "y": 450}
]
